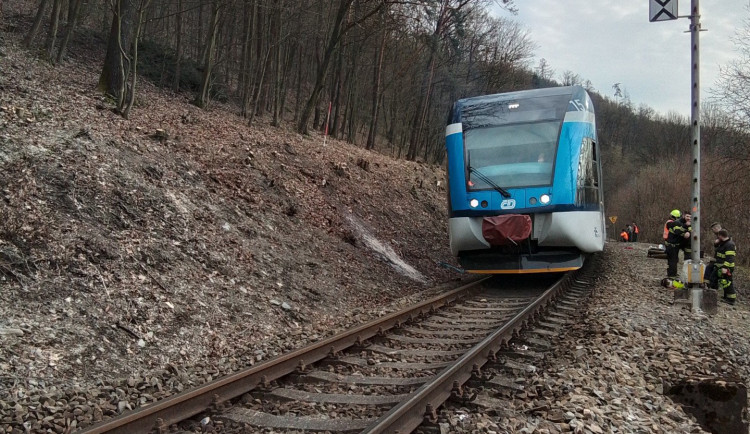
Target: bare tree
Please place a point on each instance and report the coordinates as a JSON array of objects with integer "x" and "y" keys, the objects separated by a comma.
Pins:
[
  {"x": 128, "y": 98},
  {"x": 112, "y": 77},
  {"x": 544, "y": 70},
  {"x": 72, "y": 21},
  {"x": 377, "y": 72},
  {"x": 201, "y": 100},
  {"x": 339, "y": 28},
  {"x": 733, "y": 92},
  {"x": 29, "y": 39},
  {"x": 178, "y": 48},
  {"x": 570, "y": 78},
  {"x": 443, "y": 16}
]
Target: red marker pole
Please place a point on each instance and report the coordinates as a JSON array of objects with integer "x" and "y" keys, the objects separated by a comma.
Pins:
[{"x": 328, "y": 116}]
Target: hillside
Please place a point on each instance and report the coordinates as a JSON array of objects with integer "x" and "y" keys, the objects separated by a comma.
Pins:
[{"x": 183, "y": 238}]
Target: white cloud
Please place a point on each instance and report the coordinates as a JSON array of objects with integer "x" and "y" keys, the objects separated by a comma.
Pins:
[{"x": 613, "y": 42}]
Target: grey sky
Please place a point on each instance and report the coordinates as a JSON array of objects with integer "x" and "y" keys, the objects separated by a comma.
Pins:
[{"x": 612, "y": 41}]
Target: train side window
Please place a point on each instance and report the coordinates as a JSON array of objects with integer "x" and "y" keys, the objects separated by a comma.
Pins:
[
  {"x": 593, "y": 150},
  {"x": 588, "y": 174},
  {"x": 595, "y": 166}
]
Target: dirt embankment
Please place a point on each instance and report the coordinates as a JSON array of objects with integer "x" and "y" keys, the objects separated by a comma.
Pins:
[{"x": 183, "y": 237}]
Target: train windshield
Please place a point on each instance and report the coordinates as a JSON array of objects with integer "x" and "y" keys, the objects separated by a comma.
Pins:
[{"x": 512, "y": 144}]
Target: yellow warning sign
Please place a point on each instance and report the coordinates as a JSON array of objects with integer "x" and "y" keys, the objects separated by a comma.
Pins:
[{"x": 613, "y": 219}]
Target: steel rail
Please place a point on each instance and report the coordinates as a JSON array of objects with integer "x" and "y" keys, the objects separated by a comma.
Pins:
[
  {"x": 160, "y": 415},
  {"x": 408, "y": 415}
]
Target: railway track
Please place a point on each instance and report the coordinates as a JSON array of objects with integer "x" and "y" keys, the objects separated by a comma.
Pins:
[{"x": 389, "y": 375}]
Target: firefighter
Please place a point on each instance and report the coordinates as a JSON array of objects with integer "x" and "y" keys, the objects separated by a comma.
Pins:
[
  {"x": 725, "y": 253},
  {"x": 676, "y": 234},
  {"x": 710, "y": 276},
  {"x": 685, "y": 246},
  {"x": 674, "y": 215}
]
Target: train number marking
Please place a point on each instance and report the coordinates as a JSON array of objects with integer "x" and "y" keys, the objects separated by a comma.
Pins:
[
  {"x": 578, "y": 105},
  {"x": 508, "y": 204}
]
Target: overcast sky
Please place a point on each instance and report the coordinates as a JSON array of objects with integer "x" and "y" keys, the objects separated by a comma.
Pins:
[{"x": 612, "y": 41}]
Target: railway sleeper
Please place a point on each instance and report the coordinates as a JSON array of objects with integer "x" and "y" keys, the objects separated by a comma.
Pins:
[
  {"x": 553, "y": 327},
  {"x": 423, "y": 341},
  {"x": 265, "y": 420},
  {"x": 360, "y": 380},
  {"x": 521, "y": 355},
  {"x": 538, "y": 343},
  {"x": 448, "y": 333},
  {"x": 558, "y": 318},
  {"x": 414, "y": 352},
  {"x": 452, "y": 317},
  {"x": 576, "y": 303},
  {"x": 296, "y": 395},
  {"x": 483, "y": 326},
  {"x": 400, "y": 366}
]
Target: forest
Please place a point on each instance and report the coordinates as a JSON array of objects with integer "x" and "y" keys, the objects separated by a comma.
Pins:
[{"x": 383, "y": 74}]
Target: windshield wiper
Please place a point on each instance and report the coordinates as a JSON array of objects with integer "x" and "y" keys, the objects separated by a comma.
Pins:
[{"x": 487, "y": 180}]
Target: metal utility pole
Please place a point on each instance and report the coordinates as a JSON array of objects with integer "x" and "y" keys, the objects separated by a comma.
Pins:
[
  {"x": 662, "y": 10},
  {"x": 695, "y": 267}
]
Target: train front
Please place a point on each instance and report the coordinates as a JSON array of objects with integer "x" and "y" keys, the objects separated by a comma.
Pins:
[{"x": 524, "y": 181}]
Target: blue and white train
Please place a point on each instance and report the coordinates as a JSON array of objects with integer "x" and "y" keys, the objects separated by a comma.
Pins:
[{"x": 524, "y": 181}]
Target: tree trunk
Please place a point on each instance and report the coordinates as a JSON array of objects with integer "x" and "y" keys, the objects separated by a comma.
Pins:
[
  {"x": 72, "y": 20},
  {"x": 288, "y": 65},
  {"x": 72, "y": 5},
  {"x": 243, "y": 57},
  {"x": 112, "y": 77},
  {"x": 125, "y": 111},
  {"x": 277, "y": 82},
  {"x": 202, "y": 99},
  {"x": 419, "y": 114},
  {"x": 265, "y": 45},
  {"x": 352, "y": 112},
  {"x": 29, "y": 39},
  {"x": 337, "y": 91},
  {"x": 250, "y": 60},
  {"x": 259, "y": 87},
  {"x": 54, "y": 25},
  {"x": 427, "y": 76},
  {"x": 378, "y": 70},
  {"x": 178, "y": 60},
  {"x": 323, "y": 67},
  {"x": 298, "y": 90}
]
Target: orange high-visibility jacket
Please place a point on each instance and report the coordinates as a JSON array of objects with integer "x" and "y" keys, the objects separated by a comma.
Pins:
[{"x": 666, "y": 231}]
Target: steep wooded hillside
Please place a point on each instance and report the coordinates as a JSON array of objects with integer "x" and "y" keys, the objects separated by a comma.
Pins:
[{"x": 182, "y": 236}]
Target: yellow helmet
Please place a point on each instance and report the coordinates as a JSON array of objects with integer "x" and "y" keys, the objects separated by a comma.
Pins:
[{"x": 675, "y": 213}]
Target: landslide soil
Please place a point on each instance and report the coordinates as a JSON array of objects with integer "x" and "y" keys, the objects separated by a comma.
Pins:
[{"x": 183, "y": 239}]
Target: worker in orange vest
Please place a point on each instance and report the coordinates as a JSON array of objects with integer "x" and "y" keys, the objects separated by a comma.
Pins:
[
  {"x": 674, "y": 215},
  {"x": 624, "y": 235},
  {"x": 636, "y": 231}
]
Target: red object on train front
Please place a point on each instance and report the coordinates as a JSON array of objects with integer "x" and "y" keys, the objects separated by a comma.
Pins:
[{"x": 506, "y": 230}]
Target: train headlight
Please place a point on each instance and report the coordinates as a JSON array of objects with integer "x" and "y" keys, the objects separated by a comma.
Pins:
[
  {"x": 474, "y": 203},
  {"x": 544, "y": 198}
]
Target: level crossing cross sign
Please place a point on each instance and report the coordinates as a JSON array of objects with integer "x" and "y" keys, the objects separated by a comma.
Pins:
[{"x": 662, "y": 10}]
